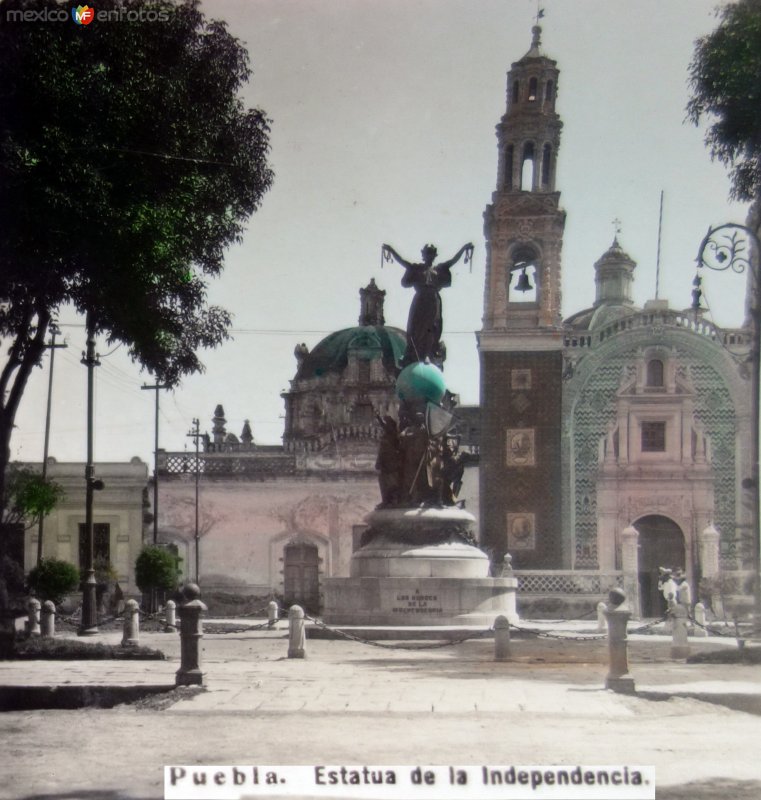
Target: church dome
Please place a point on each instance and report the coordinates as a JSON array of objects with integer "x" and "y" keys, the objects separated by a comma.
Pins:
[
  {"x": 614, "y": 274},
  {"x": 332, "y": 353}
]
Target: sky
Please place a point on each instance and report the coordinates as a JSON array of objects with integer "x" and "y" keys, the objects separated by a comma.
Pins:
[{"x": 383, "y": 130}]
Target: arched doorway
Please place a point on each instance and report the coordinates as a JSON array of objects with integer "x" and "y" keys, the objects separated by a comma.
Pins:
[
  {"x": 301, "y": 584},
  {"x": 661, "y": 544}
]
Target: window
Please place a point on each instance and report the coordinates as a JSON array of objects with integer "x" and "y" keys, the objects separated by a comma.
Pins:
[
  {"x": 653, "y": 437},
  {"x": 655, "y": 372},
  {"x": 548, "y": 89},
  {"x": 532, "y": 86},
  {"x": 527, "y": 167},
  {"x": 516, "y": 91},
  {"x": 101, "y": 544}
]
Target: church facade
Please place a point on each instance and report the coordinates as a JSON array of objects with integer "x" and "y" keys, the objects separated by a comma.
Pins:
[{"x": 615, "y": 441}]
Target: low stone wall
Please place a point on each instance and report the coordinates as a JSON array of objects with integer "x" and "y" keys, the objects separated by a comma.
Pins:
[
  {"x": 563, "y": 594},
  {"x": 558, "y": 606}
]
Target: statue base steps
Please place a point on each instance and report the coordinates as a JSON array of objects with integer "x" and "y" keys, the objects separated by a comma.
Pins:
[{"x": 417, "y": 569}]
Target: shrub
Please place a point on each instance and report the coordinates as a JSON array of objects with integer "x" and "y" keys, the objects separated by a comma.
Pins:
[
  {"x": 52, "y": 579},
  {"x": 156, "y": 568}
]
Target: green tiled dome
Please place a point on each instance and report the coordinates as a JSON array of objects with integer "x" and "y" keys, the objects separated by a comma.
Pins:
[{"x": 332, "y": 353}]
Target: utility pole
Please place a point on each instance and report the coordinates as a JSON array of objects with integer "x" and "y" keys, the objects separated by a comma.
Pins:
[
  {"x": 89, "y": 623},
  {"x": 52, "y": 346},
  {"x": 196, "y": 434},
  {"x": 156, "y": 388}
]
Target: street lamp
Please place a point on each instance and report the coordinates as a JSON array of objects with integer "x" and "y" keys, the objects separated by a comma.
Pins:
[
  {"x": 89, "y": 622},
  {"x": 737, "y": 247}
]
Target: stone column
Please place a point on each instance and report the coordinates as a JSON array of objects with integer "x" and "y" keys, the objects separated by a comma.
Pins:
[
  {"x": 700, "y": 620},
  {"x": 48, "y": 620},
  {"x": 296, "y": 635},
  {"x": 131, "y": 635},
  {"x": 617, "y": 614},
  {"x": 630, "y": 567},
  {"x": 708, "y": 544},
  {"x": 171, "y": 616},
  {"x": 501, "y": 639},
  {"x": 708, "y": 555},
  {"x": 191, "y": 633},
  {"x": 33, "y": 610},
  {"x": 601, "y": 622},
  {"x": 273, "y": 613},
  {"x": 680, "y": 646}
]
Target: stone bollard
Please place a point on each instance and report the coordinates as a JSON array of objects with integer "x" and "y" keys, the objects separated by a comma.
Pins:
[
  {"x": 33, "y": 623},
  {"x": 131, "y": 635},
  {"x": 48, "y": 619},
  {"x": 617, "y": 614},
  {"x": 170, "y": 625},
  {"x": 601, "y": 624},
  {"x": 191, "y": 633},
  {"x": 273, "y": 613},
  {"x": 700, "y": 620},
  {"x": 680, "y": 646},
  {"x": 501, "y": 639},
  {"x": 296, "y": 635}
]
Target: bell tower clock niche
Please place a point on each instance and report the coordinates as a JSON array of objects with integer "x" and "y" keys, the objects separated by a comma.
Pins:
[{"x": 520, "y": 343}]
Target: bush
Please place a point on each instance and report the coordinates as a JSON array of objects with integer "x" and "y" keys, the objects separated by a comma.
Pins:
[
  {"x": 53, "y": 579},
  {"x": 156, "y": 568},
  {"x": 75, "y": 650}
]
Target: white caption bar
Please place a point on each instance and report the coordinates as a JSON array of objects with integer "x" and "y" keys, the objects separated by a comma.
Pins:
[{"x": 513, "y": 782}]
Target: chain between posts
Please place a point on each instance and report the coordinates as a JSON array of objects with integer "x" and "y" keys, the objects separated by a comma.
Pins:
[
  {"x": 372, "y": 643},
  {"x": 712, "y": 630}
]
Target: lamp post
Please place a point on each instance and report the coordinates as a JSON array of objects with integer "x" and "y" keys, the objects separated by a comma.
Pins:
[
  {"x": 737, "y": 247},
  {"x": 89, "y": 623},
  {"x": 155, "y": 388}
]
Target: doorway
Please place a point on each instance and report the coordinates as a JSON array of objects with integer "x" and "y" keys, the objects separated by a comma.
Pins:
[
  {"x": 301, "y": 583},
  {"x": 661, "y": 544}
]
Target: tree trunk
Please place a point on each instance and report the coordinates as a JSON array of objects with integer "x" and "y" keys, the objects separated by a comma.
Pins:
[{"x": 24, "y": 355}]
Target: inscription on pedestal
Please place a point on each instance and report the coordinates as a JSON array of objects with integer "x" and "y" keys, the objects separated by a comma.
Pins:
[{"x": 416, "y": 603}]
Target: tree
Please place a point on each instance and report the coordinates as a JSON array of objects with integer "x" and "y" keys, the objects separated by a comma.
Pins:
[
  {"x": 156, "y": 569},
  {"x": 725, "y": 76},
  {"x": 128, "y": 163}
]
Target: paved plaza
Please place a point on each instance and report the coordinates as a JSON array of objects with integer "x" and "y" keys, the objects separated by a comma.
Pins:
[{"x": 352, "y": 703}]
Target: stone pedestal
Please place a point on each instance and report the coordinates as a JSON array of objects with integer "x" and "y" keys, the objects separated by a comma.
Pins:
[
  {"x": 191, "y": 633},
  {"x": 417, "y": 568},
  {"x": 618, "y": 614}
]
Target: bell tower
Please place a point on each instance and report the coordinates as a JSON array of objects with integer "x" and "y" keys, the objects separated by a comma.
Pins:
[{"x": 520, "y": 343}]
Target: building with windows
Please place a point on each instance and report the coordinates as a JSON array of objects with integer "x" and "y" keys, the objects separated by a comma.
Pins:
[
  {"x": 614, "y": 441},
  {"x": 119, "y": 520}
]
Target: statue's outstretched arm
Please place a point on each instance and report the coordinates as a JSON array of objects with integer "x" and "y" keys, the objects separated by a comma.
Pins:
[
  {"x": 466, "y": 249},
  {"x": 389, "y": 253}
]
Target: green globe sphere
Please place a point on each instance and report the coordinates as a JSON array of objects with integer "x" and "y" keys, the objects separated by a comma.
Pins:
[{"x": 421, "y": 382}]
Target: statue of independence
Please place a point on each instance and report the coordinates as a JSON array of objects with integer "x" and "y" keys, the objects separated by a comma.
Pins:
[{"x": 425, "y": 322}]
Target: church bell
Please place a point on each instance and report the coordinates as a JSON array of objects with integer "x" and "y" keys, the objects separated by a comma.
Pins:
[{"x": 524, "y": 284}]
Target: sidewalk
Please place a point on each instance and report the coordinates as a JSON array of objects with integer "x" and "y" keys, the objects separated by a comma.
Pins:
[{"x": 353, "y": 703}]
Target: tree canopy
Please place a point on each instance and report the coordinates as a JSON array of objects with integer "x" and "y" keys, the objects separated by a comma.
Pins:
[
  {"x": 725, "y": 76},
  {"x": 28, "y": 496},
  {"x": 128, "y": 163}
]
